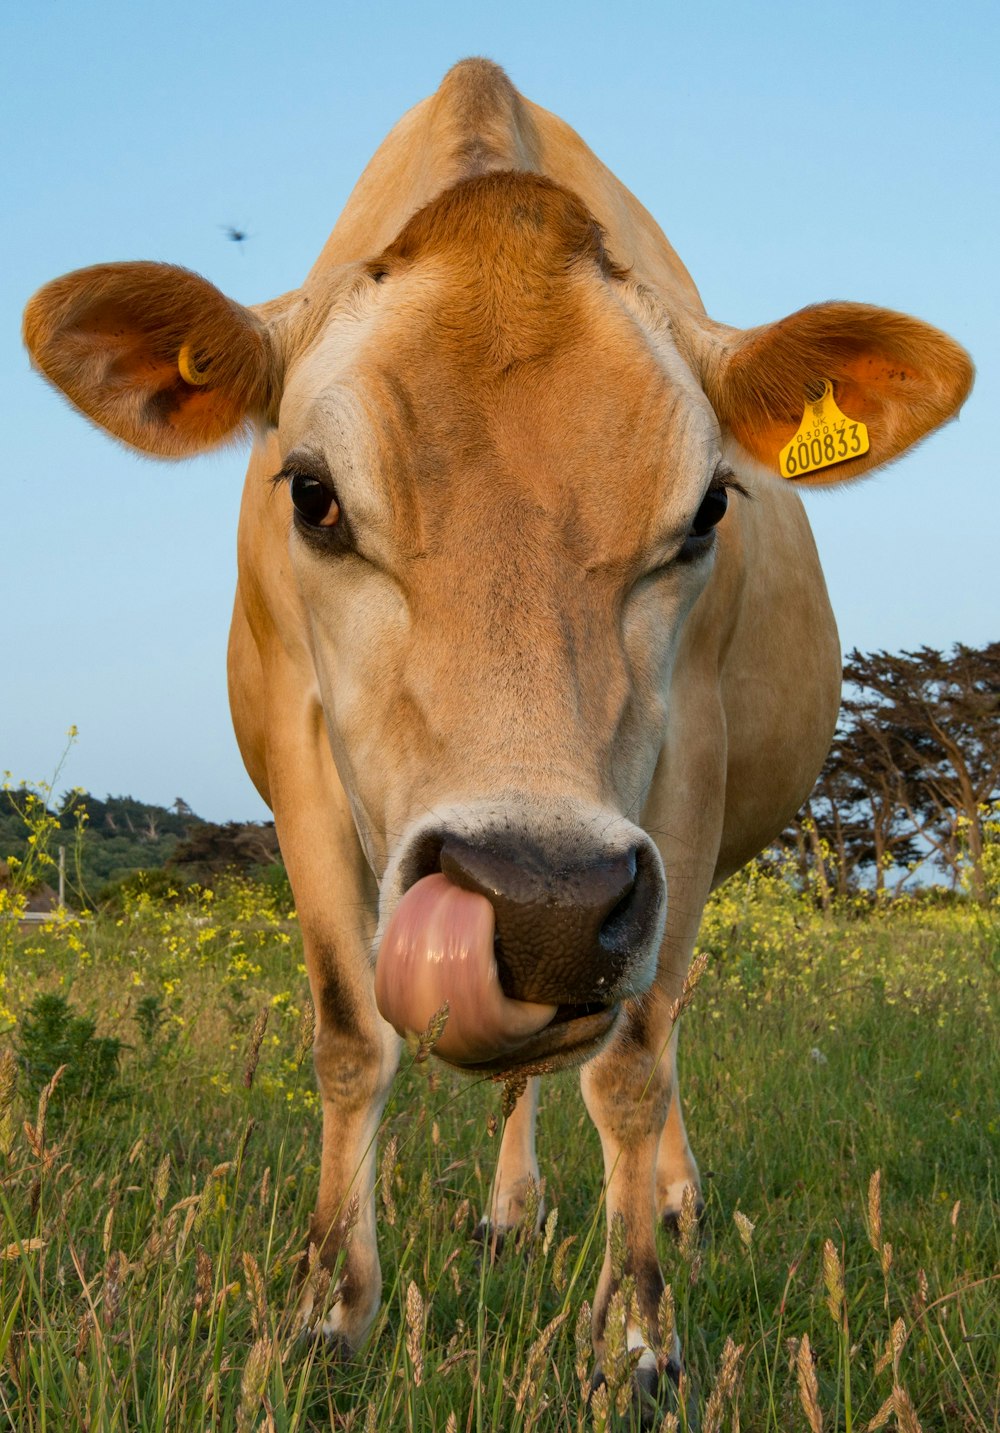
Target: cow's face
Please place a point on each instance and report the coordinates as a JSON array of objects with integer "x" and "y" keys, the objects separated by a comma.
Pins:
[
  {"x": 505, "y": 483},
  {"x": 503, "y": 486}
]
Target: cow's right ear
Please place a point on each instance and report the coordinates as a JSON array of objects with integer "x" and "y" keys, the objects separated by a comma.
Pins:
[
  {"x": 156, "y": 355},
  {"x": 895, "y": 374}
]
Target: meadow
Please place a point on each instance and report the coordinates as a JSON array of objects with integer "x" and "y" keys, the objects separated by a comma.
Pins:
[{"x": 840, "y": 1073}]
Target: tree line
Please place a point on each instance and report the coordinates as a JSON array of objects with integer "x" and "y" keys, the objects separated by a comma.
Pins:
[
  {"x": 110, "y": 841},
  {"x": 909, "y": 790}
]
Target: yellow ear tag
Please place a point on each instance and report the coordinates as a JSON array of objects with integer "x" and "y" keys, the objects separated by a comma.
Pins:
[
  {"x": 186, "y": 368},
  {"x": 825, "y": 437}
]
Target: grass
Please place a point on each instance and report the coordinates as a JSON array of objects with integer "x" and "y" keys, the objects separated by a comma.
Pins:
[{"x": 151, "y": 1221}]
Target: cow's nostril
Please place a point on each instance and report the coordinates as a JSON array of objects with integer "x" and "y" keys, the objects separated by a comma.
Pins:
[
  {"x": 619, "y": 916},
  {"x": 570, "y": 926},
  {"x": 424, "y": 859}
]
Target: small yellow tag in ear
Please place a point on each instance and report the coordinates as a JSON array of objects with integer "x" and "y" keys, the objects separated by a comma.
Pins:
[
  {"x": 825, "y": 437},
  {"x": 189, "y": 372}
]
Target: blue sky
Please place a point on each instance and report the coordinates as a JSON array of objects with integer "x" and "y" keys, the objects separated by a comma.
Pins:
[{"x": 791, "y": 153}]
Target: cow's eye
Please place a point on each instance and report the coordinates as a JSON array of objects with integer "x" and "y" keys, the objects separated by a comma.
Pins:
[
  {"x": 712, "y": 511},
  {"x": 314, "y": 502}
]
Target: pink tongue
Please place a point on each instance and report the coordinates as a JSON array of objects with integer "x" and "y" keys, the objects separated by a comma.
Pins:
[{"x": 439, "y": 947}]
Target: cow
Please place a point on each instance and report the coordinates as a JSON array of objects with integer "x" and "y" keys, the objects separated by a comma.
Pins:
[{"x": 531, "y": 647}]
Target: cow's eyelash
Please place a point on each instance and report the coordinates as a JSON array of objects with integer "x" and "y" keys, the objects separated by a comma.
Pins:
[
  {"x": 293, "y": 469},
  {"x": 725, "y": 478}
]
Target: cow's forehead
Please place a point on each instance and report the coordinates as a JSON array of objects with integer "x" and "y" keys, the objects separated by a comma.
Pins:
[{"x": 421, "y": 404}]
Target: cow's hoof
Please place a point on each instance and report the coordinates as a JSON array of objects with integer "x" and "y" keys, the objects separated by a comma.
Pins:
[
  {"x": 654, "y": 1394},
  {"x": 336, "y": 1347},
  {"x": 671, "y": 1218},
  {"x": 491, "y": 1239}
]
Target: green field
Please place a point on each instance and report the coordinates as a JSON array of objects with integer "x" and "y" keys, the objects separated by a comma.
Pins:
[{"x": 154, "y": 1214}]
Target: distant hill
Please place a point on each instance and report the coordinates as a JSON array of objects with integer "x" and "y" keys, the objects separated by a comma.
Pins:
[{"x": 122, "y": 835}]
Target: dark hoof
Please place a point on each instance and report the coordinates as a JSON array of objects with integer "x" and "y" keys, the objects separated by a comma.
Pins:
[
  {"x": 490, "y": 1240},
  {"x": 671, "y": 1220},
  {"x": 653, "y": 1395},
  {"x": 336, "y": 1348}
]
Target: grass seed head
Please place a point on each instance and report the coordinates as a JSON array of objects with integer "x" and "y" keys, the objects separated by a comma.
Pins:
[
  {"x": 253, "y": 1383},
  {"x": 306, "y": 1033},
  {"x": 744, "y": 1227},
  {"x": 808, "y": 1386},
  {"x": 536, "y": 1359},
  {"x": 666, "y": 1327},
  {"x": 559, "y": 1276},
  {"x": 581, "y": 1340},
  {"x": 618, "y": 1246},
  {"x": 253, "y": 1045},
  {"x": 8, "y": 1081},
  {"x": 906, "y": 1415},
  {"x": 875, "y": 1211},
  {"x": 415, "y": 1316},
  {"x": 687, "y": 1223},
  {"x": 114, "y": 1281},
  {"x": 726, "y": 1388},
  {"x": 256, "y": 1295},
  {"x": 551, "y": 1220},
  {"x": 161, "y": 1181},
  {"x": 619, "y": 1360},
  {"x": 514, "y": 1087},
  {"x": 203, "y": 1278},
  {"x": 386, "y": 1176},
  {"x": 696, "y": 971},
  {"x": 881, "y": 1417},
  {"x": 833, "y": 1278},
  {"x": 886, "y": 1258},
  {"x": 600, "y": 1408},
  {"x": 435, "y": 1029},
  {"x": 109, "y": 1220},
  {"x": 528, "y": 1222}
]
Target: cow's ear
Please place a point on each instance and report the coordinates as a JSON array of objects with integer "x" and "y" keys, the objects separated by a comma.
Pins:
[
  {"x": 896, "y": 375},
  {"x": 154, "y": 354}
]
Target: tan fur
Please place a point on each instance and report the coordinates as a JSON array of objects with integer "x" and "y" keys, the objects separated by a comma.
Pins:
[
  {"x": 110, "y": 337},
  {"x": 510, "y": 377}
]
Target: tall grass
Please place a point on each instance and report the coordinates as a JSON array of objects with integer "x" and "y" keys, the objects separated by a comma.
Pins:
[{"x": 840, "y": 1078}]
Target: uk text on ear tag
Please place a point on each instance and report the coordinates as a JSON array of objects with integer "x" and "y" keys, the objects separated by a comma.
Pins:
[{"x": 825, "y": 437}]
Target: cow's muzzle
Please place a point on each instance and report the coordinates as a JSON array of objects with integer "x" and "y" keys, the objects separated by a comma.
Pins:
[{"x": 532, "y": 948}]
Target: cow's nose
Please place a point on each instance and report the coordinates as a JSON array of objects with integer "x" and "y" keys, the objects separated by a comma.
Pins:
[{"x": 566, "y": 934}]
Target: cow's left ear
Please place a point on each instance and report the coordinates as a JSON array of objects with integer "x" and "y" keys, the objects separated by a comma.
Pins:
[
  {"x": 154, "y": 354},
  {"x": 896, "y": 375}
]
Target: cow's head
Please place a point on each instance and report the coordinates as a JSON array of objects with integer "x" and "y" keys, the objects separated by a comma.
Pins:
[{"x": 503, "y": 468}]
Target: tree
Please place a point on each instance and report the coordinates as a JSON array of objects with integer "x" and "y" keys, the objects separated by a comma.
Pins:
[
  {"x": 926, "y": 725},
  {"x": 210, "y": 849}
]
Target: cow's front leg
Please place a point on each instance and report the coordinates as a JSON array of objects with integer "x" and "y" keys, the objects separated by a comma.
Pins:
[
  {"x": 356, "y": 1054},
  {"x": 675, "y": 1164},
  {"x": 627, "y": 1090},
  {"x": 516, "y": 1175}
]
